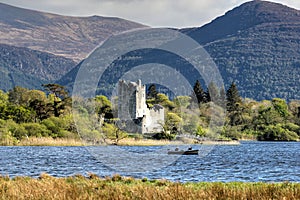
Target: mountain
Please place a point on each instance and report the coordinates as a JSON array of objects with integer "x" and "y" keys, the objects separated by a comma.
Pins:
[
  {"x": 257, "y": 45},
  {"x": 20, "y": 66},
  {"x": 71, "y": 37},
  {"x": 243, "y": 17}
]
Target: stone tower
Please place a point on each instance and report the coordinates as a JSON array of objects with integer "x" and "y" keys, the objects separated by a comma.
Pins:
[
  {"x": 133, "y": 110},
  {"x": 131, "y": 100}
]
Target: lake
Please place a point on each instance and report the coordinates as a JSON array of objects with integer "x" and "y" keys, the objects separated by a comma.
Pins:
[{"x": 248, "y": 162}]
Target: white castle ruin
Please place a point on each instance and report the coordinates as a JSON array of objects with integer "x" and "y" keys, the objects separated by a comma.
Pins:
[{"x": 133, "y": 111}]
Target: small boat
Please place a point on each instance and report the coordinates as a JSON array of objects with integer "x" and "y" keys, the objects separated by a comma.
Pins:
[{"x": 184, "y": 152}]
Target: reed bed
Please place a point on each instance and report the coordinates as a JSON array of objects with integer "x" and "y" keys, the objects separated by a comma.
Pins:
[
  {"x": 49, "y": 141},
  {"x": 147, "y": 142},
  {"x": 92, "y": 187}
]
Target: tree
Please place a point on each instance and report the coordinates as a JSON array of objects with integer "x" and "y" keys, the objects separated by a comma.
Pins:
[
  {"x": 17, "y": 95},
  {"x": 61, "y": 98},
  {"x": 172, "y": 123},
  {"x": 198, "y": 93},
  {"x": 3, "y": 104},
  {"x": 152, "y": 92},
  {"x": 233, "y": 98},
  {"x": 113, "y": 132},
  {"x": 281, "y": 107},
  {"x": 163, "y": 100},
  {"x": 103, "y": 107},
  {"x": 58, "y": 90},
  {"x": 3, "y": 97}
]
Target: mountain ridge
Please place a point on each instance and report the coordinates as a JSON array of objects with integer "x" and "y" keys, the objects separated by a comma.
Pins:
[
  {"x": 245, "y": 16},
  {"x": 68, "y": 36},
  {"x": 261, "y": 54},
  {"x": 20, "y": 66},
  {"x": 256, "y": 45}
]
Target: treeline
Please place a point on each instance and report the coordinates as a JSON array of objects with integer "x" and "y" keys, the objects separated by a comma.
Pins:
[
  {"x": 269, "y": 120},
  {"x": 28, "y": 113},
  {"x": 234, "y": 117}
]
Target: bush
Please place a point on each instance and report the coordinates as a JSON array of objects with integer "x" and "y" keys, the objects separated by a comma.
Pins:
[
  {"x": 277, "y": 133},
  {"x": 292, "y": 127},
  {"x": 232, "y": 132},
  {"x": 164, "y": 136},
  {"x": 36, "y": 130}
]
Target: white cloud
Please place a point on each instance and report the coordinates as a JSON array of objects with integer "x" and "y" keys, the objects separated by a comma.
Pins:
[{"x": 156, "y": 13}]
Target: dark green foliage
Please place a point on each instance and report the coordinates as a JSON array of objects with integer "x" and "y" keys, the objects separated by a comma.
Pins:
[
  {"x": 103, "y": 107},
  {"x": 233, "y": 98},
  {"x": 31, "y": 113},
  {"x": 277, "y": 133},
  {"x": 164, "y": 136},
  {"x": 152, "y": 92},
  {"x": 36, "y": 130},
  {"x": 61, "y": 97},
  {"x": 198, "y": 94}
]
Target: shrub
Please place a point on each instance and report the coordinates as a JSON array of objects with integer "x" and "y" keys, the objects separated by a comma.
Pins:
[
  {"x": 36, "y": 130},
  {"x": 277, "y": 133},
  {"x": 164, "y": 136}
]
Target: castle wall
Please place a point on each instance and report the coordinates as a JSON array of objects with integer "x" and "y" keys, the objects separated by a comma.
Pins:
[
  {"x": 154, "y": 120},
  {"x": 133, "y": 110}
]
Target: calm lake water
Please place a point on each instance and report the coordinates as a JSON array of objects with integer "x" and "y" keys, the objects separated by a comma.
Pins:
[{"x": 248, "y": 162}]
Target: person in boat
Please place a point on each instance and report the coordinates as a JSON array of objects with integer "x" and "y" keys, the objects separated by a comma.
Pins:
[{"x": 190, "y": 148}]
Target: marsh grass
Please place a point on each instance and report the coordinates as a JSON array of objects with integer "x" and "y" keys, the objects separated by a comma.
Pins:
[
  {"x": 118, "y": 187},
  {"x": 147, "y": 142},
  {"x": 49, "y": 141}
]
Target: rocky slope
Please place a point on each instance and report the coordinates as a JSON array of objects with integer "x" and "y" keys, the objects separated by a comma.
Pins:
[
  {"x": 30, "y": 68},
  {"x": 71, "y": 37}
]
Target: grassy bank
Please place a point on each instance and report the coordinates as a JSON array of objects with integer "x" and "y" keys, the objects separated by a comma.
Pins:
[{"x": 117, "y": 187}]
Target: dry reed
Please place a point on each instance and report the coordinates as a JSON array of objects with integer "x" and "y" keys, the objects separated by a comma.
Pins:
[
  {"x": 117, "y": 187},
  {"x": 49, "y": 141}
]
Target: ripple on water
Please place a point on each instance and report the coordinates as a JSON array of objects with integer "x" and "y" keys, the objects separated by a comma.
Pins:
[{"x": 250, "y": 161}]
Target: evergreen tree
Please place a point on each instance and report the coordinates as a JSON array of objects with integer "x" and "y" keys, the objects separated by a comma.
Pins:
[
  {"x": 233, "y": 98},
  {"x": 198, "y": 93},
  {"x": 152, "y": 92}
]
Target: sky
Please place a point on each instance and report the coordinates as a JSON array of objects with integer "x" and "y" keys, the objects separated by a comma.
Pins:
[{"x": 154, "y": 13}]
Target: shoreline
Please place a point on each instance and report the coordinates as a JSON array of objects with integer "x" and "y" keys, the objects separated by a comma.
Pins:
[{"x": 48, "y": 141}]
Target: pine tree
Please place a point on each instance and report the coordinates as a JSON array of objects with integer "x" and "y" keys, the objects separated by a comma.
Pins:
[
  {"x": 152, "y": 92},
  {"x": 233, "y": 98},
  {"x": 198, "y": 93}
]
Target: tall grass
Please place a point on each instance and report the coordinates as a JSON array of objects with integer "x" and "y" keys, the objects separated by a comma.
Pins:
[
  {"x": 117, "y": 187},
  {"x": 147, "y": 142},
  {"x": 49, "y": 141}
]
